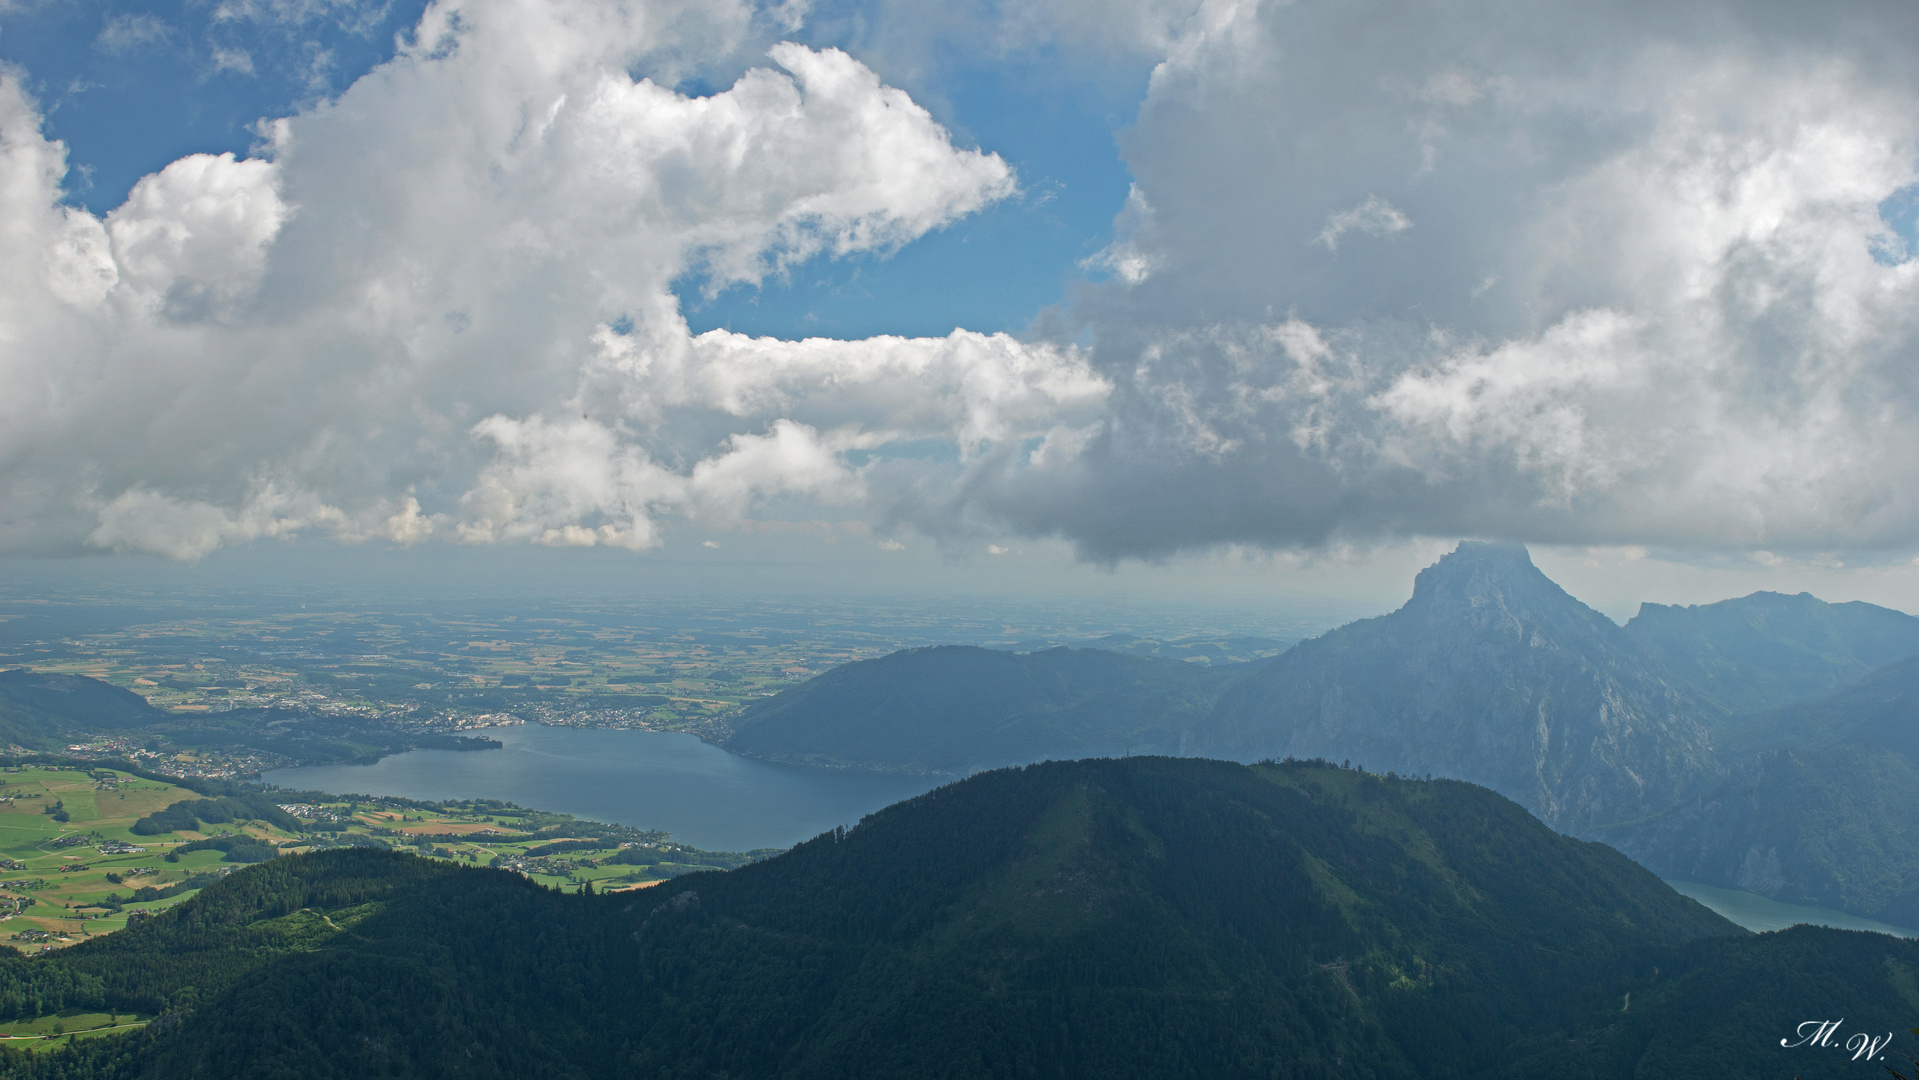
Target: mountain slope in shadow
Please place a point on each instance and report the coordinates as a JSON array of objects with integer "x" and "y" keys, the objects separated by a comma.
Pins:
[
  {"x": 39, "y": 710},
  {"x": 1760, "y": 651},
  {"x": 954, "y": 709},
  {"x": 1490, "y": 673}
]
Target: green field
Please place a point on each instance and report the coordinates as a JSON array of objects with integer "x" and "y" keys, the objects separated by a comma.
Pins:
[
  {"x": 488, "y": 834},
  {"x": 55, "y": 898},
  {"x": 66, "y": 882},
  {"x": 49, "y": 1032}
]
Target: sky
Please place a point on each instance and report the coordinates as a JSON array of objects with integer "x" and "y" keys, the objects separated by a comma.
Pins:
[{"x": 1266, "y": 302}]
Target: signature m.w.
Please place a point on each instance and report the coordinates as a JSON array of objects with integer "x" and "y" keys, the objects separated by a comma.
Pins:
[{"x": 1825, "y": 1033}]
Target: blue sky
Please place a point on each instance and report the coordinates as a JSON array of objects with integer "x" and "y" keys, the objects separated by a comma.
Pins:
[
  {"x": 131, "y": 87},
  {"x": 991, "y": 271}
]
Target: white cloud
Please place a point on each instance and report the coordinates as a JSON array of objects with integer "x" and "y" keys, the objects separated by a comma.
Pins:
[
  {"x": 238, "y": 61},
  {"x": 122, "y": 34},
  {"x": 1123, "y": 257},
  {"x": 1630, "y": 295},
  {"x": 192, "y": 239},
  {"x": 381, "y": 330},
  {"x": 1624, "y": 293},
  {"x": 1374, "y": 217}
]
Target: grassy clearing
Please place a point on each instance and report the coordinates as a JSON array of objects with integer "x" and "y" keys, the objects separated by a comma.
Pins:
[{"x": 48, "y": 1032}]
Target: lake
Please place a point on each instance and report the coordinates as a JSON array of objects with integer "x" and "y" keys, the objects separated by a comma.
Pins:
[
  {"x": 701, "y": 794},
  {"x": 1755, "y": 912}
]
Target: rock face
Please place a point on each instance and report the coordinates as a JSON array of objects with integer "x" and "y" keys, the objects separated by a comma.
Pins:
[{"x": 1490, "y": 673}]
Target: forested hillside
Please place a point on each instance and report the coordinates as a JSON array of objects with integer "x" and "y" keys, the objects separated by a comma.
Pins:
[
  {"x": 1760, "y": 651},
  {"x": 38, "y": 711},
  {"x": 1149, "y": 917},
  {"x": 957, "y": 709},
  {"x": 1818, "y": 803}
]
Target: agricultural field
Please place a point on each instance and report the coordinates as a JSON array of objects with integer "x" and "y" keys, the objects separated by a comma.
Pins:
[
  {"x": 243, "y": 685},
  {"x": 605, "y": 663},
  {"x": 64, "y": 881},
  {"x": 556, "y": 850},
  {"x": 56, "y": 876}
]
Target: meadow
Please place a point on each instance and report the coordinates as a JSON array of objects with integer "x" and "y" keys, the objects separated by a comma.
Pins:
[{"x": 65, "y": 881}]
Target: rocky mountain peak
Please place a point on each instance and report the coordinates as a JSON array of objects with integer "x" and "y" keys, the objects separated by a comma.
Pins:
[
  {"x": 1493, "y": 585},
  {"x": 1490, "y": 673}
]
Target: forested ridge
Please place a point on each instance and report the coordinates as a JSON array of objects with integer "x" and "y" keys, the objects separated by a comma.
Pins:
[
  {"x": 956, "y": 709},
  {"x": 1144, "y": 917}
]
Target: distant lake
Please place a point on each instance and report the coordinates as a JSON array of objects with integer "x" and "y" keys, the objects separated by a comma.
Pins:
[
  {"x": 1755, "y": 912},
  {"x": 701, "y": 794}
]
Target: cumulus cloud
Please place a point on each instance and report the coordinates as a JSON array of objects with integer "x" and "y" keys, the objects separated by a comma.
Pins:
[
  {"x": 1635, "y": 288},
  {"x": 1608, "y": 273},
  {"x": 382, "y": 326}
]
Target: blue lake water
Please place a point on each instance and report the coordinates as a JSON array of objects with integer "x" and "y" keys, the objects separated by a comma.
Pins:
[
  {"x": 1759, "y": 913},
  {"x": 701, "y": 794}
]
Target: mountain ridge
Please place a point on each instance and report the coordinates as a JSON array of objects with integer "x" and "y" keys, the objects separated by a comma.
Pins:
[
  {"x": 1114, "y": 918},
  {"x": 38, "y": 709},
  {"x": 1493, "y": 673},
  {"x": 1490, "y": 673},
  {"x": 956, "y": 709},
  {"x": 1757, "y": 651}
]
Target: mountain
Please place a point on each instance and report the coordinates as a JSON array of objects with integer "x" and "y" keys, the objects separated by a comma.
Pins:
[
  {"x": 1147, "y": 917},
  {"x": 1766, "y": 649},
  {"x": 1880, "y": 712},
  {"x": 956, "y": 709},
  {"x": 40, "y": 710},
  {"x": 1639, "y": 736},
  {"x": 1490, "y": 673},
  {"x": 1196, "y": 650},
  {"x": 1816, "y": 805}
]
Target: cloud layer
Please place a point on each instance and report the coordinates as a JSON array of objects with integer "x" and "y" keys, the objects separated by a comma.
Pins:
[
  {"x": 1581, "y": 273},
  {"x": 1577, "y": 273}
]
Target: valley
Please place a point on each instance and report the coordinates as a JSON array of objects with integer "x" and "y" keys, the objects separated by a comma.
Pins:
[
  {"x": 1407, "y": 848},
  {"x": 242, "y": 686},
  {"x": 1762, "y": 744}
]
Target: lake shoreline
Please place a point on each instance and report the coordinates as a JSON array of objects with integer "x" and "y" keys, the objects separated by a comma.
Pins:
[{"x": 676, "y": 782}]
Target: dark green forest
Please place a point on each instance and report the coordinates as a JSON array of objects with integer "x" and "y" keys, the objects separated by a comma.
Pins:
[{"x": 1143, "y": 917}]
